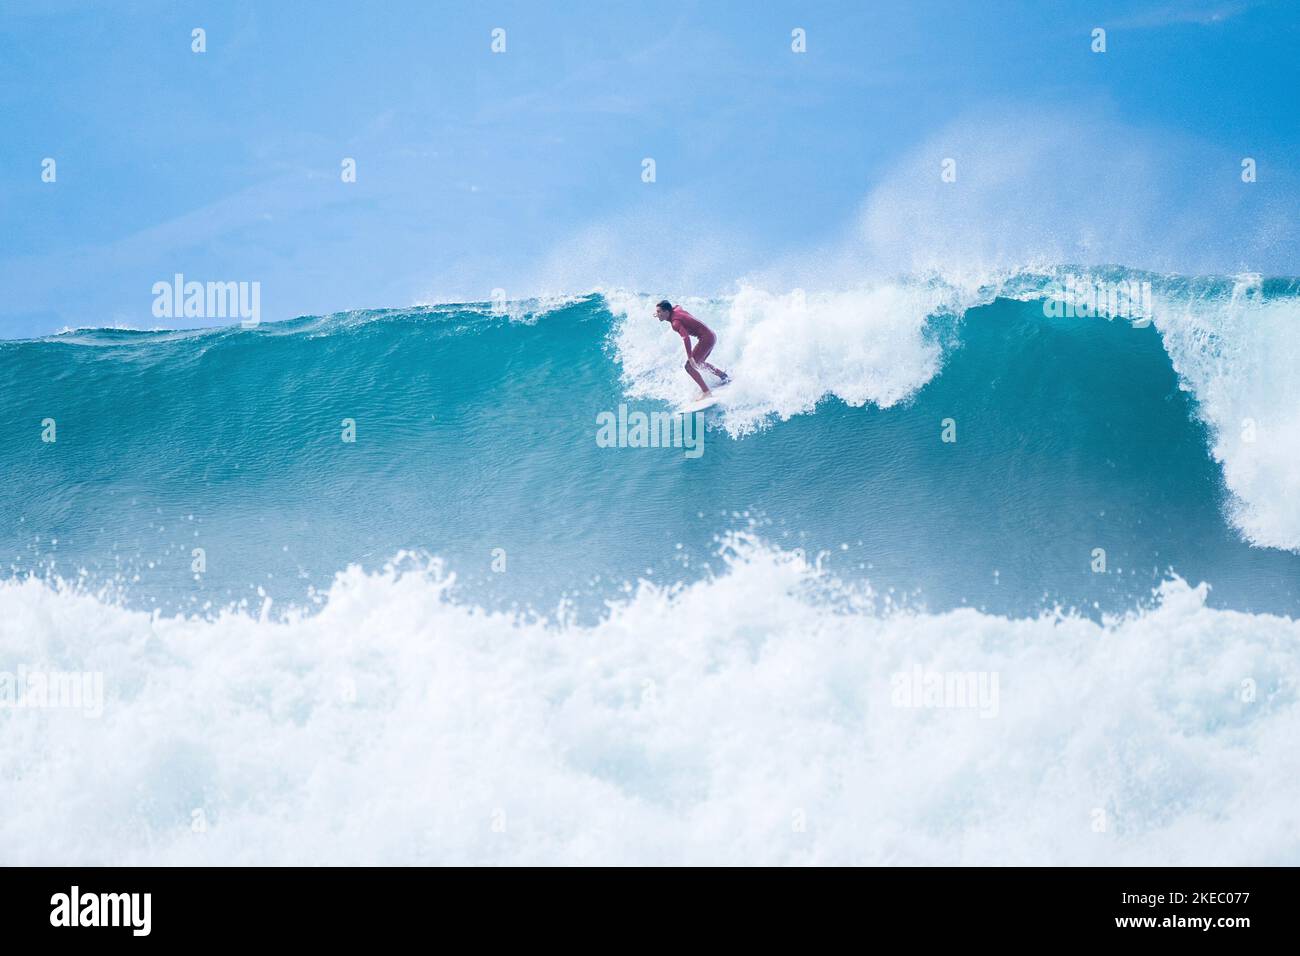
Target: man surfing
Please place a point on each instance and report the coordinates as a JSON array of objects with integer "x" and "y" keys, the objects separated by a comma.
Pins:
[{"x": 687, "y": 325}]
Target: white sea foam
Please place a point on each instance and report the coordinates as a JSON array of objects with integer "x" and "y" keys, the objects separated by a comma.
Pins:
[
  {"x": 1239, "y": 354},
  {"x": 399, "y": 726},
  {"x": 786, "y": 352}
]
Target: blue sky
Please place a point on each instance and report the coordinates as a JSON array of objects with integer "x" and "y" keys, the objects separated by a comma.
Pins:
[{"x": 522, "y": 170}]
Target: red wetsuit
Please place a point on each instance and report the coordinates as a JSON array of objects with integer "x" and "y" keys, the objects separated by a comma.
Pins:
[{"x": 686, "y": 325}]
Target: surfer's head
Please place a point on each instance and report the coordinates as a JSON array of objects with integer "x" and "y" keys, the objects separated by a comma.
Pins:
[{"x": 664, "y": 310}]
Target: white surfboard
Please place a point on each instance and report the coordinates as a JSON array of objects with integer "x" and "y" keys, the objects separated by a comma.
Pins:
[{"x": 708, "y": 401}]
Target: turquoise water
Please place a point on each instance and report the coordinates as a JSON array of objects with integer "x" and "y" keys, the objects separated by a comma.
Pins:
[
  {"x": 680, "y": 683},
  {"x": 476, "y": 432}
]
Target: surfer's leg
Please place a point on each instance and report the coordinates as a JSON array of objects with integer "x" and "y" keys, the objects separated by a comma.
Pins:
[
  {"x": 718, "y": 372},
  {"x": 701, "y": 352},
  {"x": 694, "y": 373}
]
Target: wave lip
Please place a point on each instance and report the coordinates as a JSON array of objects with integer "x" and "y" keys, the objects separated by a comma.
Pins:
[
  {"x": 1237, "y": 349},
  {"x": 397, "y": 725}
]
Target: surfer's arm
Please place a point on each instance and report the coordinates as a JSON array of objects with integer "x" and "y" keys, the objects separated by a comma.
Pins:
[{"x": 686, "y": 340}]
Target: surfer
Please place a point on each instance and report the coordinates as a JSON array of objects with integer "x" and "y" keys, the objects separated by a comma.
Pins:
[{"x": 687, "y": 325}]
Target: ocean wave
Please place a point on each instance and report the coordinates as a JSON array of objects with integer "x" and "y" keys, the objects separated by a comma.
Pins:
[
  {"x": 1233, "y": 342},
  {"x": 476, "y": 429},
  {"x": 397, "y": 724}
]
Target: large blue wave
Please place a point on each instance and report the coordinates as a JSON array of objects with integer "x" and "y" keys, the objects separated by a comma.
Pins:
[
  {"x": 736, "y": 680},
  {"x": 200, "y": 468}
]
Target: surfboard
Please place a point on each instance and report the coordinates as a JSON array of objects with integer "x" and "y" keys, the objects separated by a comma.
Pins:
[
  {"x": 708, "y": 401},
  {"x": 699, "y": 405}
]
